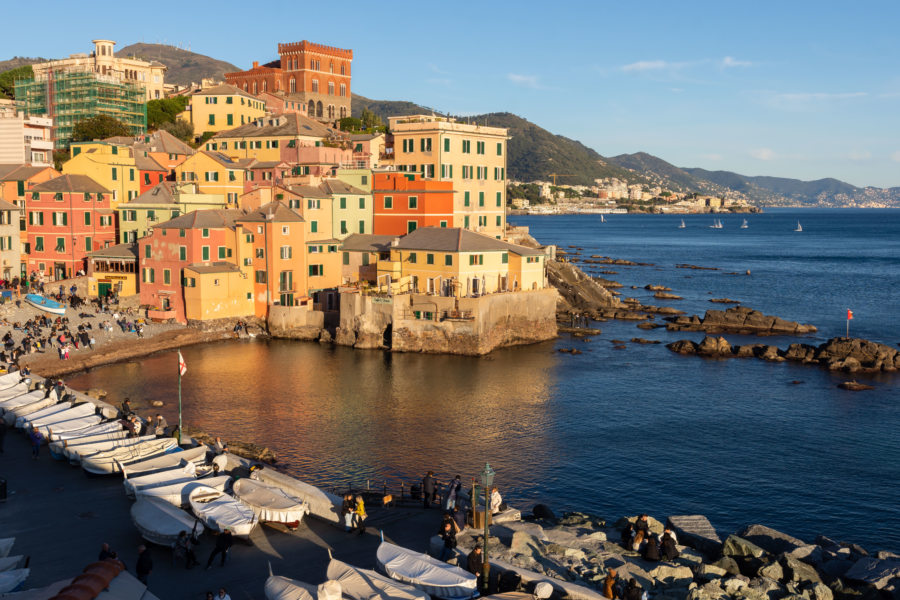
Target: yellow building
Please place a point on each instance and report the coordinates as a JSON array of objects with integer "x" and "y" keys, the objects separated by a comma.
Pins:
[
  {"x": 458, "y": 262},
  {"x": 473, "y": 157},
  {"x": 214, "y": 173},
  {"x": 220, "y": 108},
  {"x": 111, "y": 165},
  {"x": 113, "y": 269},
  {"x": 217, "y": 290},
  {"x": 160, "y": 203},
  {"x": 265, "y": 139}
]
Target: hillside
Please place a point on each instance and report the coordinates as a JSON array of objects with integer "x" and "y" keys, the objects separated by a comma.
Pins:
[
  {"x": 18, "y": 61},
  {"x": 183, "y": 66},
  {"x": 534, "y": 152}
]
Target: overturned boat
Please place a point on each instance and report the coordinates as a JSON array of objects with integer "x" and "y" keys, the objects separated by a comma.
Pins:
[
  {"x": 178, "y": 494},
  {"x": 271, "y": 504},
  {"x": 160, "y": 523},
  {"x": 105, "y": 463},
  {"x": 219, "y": 511},
  {"x": 425, "y": 573},
  {"x": 363, "y": 584}
]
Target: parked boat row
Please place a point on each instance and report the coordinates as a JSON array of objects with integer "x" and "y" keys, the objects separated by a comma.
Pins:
[{"x": 13, "y": 569}]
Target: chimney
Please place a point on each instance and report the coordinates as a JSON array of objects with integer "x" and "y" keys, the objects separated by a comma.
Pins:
[{"x": 255, "y": 63}]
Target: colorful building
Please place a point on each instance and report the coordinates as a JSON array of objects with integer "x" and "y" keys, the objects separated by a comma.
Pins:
[
  {"x": 24, "y": 139},
  {"x": 113, "y": 269},
  {"x": 220, "y": 108},
  {"x": 164, "y": 201},
  {"x": 404, "y": 202},
  {"x": 316, "y": 75},
  {"x": 351, "y": 208},
  {"x": 150, "y": 172},
  {"x": 10, "y": 243},
  {"x": 68, "y": 217},
  {"x": 16, "y": 182},
  {"x": 161, "y": 146},
  {"x": 360, "y": 254},
  {"x": 217, "y": 290},
  {"x": 111, "y": 165},
  {"x": 266, "y": 138},
  {"x": 214, "y": 173},
  {"x": 471, "y": 157}
]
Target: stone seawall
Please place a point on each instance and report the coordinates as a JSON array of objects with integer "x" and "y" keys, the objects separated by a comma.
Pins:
[{"x": 295, "y": 322}]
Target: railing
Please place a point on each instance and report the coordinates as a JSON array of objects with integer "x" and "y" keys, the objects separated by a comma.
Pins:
[{"x": 457, "y": 315}]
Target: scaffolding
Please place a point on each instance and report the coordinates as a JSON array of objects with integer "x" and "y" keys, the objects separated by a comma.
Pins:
[{"x": 72, "y": 96}]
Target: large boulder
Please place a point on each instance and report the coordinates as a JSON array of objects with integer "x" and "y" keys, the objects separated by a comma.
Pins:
[
  {"x": 683, "y": 347},
  {"x": 714, "y": 346},
  {"x": 729, "y": 564},
  {"x": 697, "y": 532},
  {"x": 737, "y": 546},
  {"x": 506, "y": 531},
  {"x": 798, "y": 571},
  {"x": 875, "y": 572},
  {"x": 708, "y": 572},
  {"x": 671, "y": 575},
  {"x": 524, "y": 543},
  {"x": 769, "y": 539}
]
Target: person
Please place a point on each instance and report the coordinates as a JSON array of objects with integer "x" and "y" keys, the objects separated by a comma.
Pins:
[
  {"x": 2, "y": 433},
  {"x": 496, "y": 501},
  {"x": 223, "y": 595},
  {"x": 126, "y": 408},
  {"x": 105, "y": 552},
  {"x": 128, "y": 424},
  {"x": 138, "y": 425},
  {"x": 428, "y": 485},
  {"x": 628, "y": 536},
  {"x": 452, "y": 490},
  {"x": 669, "y": 551},
  {"x": 36, "y": 439},
  {"x": 448, "y": 534},
  {"x": 144, "y": 564},
  {"x": 459, "y": 517},
  {"x": 668, "y": 531},
  {"x": 609, "y": 585},
  {"x": 632, "y": 590},
  {"x": 359, "y": 516},
  {"x": 219, "y": 447},
  {"x": 210, "y": 596},
  {"x": 638, "y": 540},
  {"x": 651, "y": 549},
  {"x": 223, "y": 544},
  {"x": 475, "y": 560},
  {"x": 642, "y": 524},
  {"x": 347, "y": 508},
  {"x": 161, "y": 426},
  {"x": 184, "y": 549}
]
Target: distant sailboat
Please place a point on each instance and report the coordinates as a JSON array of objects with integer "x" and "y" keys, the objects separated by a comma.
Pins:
[
  {"x": 682, "y": 224},
  {"x": 799, "y": 227},
  {"x": 602, "y": 220},
  {"x": 744, "y": 225},
  {"x": 717, "y": 224}
]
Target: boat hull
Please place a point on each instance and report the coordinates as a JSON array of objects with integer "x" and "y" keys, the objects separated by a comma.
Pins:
[{"x": 45, "y": 304}]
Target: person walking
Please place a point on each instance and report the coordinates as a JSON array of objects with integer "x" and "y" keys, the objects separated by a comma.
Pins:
[
  {"x": 347, "y": 509},
  {"x": 452, "y": 491},
  {"x": 144, "y": 565},
  {"x": 36, "y": 439},
  {"x": 428, "y": 485},
  {"x": 223, "y": 544}
]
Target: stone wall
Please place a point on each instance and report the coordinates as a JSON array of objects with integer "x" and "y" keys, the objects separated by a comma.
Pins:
[
  {"x": 364, "y": 320},
  {"x": 295, "y": 322}
]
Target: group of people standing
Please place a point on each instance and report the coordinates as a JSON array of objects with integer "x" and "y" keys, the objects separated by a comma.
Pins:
[{"x": 353, "y": 512}]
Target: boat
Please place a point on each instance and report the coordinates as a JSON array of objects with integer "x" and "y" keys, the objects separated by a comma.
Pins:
[
  {"x": 7, "y": 380},
  {"x": 432, "y": 576},
  {"x": 285, "y": 588},
  {"x": 178, "y": 494},
  {"x": 799, "y": 227},
  {"x": 602, "y": 219},
  {"x": 66, "y": 448},
  {"x": 75, "y": 451},
  {"x": 26, "y": 404},
  {"x": 219, "y": 511},
  {"x": 105, "y": 463},
  {"x": 270, "y": 503},
  {"x": 13, "y": 579},
  {"x": 197, "y": 456},
  {"x": 363, "y": 584},
  {"x": 160, "y": 523},
  {"x": 6, "y": 545},
  {"x": 682, "y": 226},
  {"x": 107, "y": 427},
  {"x": 717, "y": 224},
  {"x": 87, "y": 409},
  {"x": 12, "y": 392},
  {"x": 45, "y": 304},
  {"x": 11, "y": 562},
  {"x": 76, "y": 424},
  {"x": 745, "y": 225},
  {"x": 183, "y": 474},
  {"x": 23, "y": 422}
]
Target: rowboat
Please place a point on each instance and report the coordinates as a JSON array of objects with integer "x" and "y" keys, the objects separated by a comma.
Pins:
[
  {"x": 107, "y": 427},
  {"x": 12, "y": 579},
  {"x": 12, "y": 392},
  {"x": 76, "y": 424},
  {"x": 166, "y": 461},
  {"x": 105, "y": 463},
  {"x": 178, "y": 494},
  {"x": 6, "y": 545},
  {"x": 45, "y": 304},
  {"x": 363, "y": 584},
  {"x": 160, "y": 523},
  {"x": 23, "y": 422},
  {"x": 270, "y": 503},
  {"x": 7, "y": 380},
  {"x": 219, "y": 511},
  {"x": 183, "y": 474},
  {"x": 425, "y": 573},
  {"x": 76, "y": 452},
  {"x": 11, "y": 562},
  {"x": 58, "y": 418},
  {"x": 28, "y": 403},
  {"x": 285, "y": 588}
]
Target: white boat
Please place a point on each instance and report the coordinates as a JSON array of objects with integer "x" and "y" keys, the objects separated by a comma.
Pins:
[
  {"x": 219, "y": 511},
  {"x": 12, "y": 392},
  {"x": 11, "y": 562},
  {"x": 160, "y": 523},
  {"x": 197, "y": 456},
  {"x": 745, "y": 225},
  {"x": 76, "y": 424},
  {"x": 75, "y": 451},
  {"x": 432, "y": 576},
  {"x": 682, "y": 226},
  {"x": 270, "y": 503},
  {"x": 717, "y": 224},
  {"x": 602, "y": 219},
  {"x": 182, "y": 474},
  {"x": 105, "y": 463},
  {"x": 108, "y": 427},
  {"x": 285, "y": 588},
  {"x": 25, "y": 421},
  {"x": 73, "y": 412},
  {"x": 799, "y": 227},
  {"x": 12, "y": 579},
  {"x": 7, "y": 380},
  {"x": 29, "y": 403},
  {"x": 178, "y": 494},
  {"x": 363, "y": 584},
  {"x": 6, "y": 545}
]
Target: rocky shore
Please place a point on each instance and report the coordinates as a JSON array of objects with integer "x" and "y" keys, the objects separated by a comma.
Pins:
[{"x": 741, "y": 320}]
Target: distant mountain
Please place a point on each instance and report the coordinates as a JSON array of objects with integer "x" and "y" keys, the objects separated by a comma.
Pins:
[
  {"x": 534, "y": 152},
  {"x": 18, "y": 61},
  {"x": 183, "y": 66},
  {"x": 778, "y": 185}
]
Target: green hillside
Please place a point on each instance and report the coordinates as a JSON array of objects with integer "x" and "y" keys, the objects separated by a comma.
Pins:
[{"x": 182, "y": 66}]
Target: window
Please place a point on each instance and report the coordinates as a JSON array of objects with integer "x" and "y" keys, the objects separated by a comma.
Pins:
[
  {"x": 286, "y": 252},
  {"x": 204, "y": 233},
  {"x": 388, "y": 202},
  {"x": 212, "y": 119},
  {"x": 499, "y": 148},
  {"x": 343, "y": 89},
  {"x": 444, "y": 224},
  {"x": 38, "y": 244},
  {"x": 260, "y": 277},
  {"x": 222, "y": 252},
  {"x": 476, "y": 259},
  {"x": 285, "y": 229},
  {"x": 343, "y": 203},
  {"x": 448, "y": 260},
  {"x": 429, "y": 259},
  {"x": 413, "y": 202},
  {"x": 412, "y": 257},
  {"x": 230, "y": 100},
  {"x": 286, "y": 281},
  {"x": 365, "y": 180},
  {"x": 88, "y": 244},
  {"x": 167, "y": 276},
  {"x": 505, "y": 258},
  {"x": 425, "y": 144},
  {"x": 60, "y": 244},
  {"x": 480, "y": 198},
  {"x": 411, "y": 226},
  {"x": 466, "y": 146},
  {"x": 115, "y": 175},
  {"x": 314, "y": 226},
  {"x": 346, "y": 258},
  {"x": 466, "y": 222},
  {"x": 343, "y": 226},
  {"x": 316, "y": 270},
  {"x": 181, "y": 233},
  {"x": 446, "y": 144},
  {"x": 333, "y": 248},
  {"x": 479, "y": 147},
  {"x": 182, "y": 252},
  {"x": 362, "y": 203},
  {"x": 130, "y": 174},
  {"x": 205, "y": 253},
  {"x": 499, "y": 220},
  {"x": 465, "y": 197},
  {"x": 362, "y": 226},
  {"x": 499, "y": 198}
]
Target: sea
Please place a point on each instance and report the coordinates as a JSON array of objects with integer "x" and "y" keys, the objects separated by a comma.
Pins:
[{"x": 612, "y": 431}]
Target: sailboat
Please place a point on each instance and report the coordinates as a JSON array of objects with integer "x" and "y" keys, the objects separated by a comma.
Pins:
[
  {"x": 744, "y": 225},
  {"x": 717, "y": 224},
  {"x": 799, "y": 227},
  {"x": 602, "y": 220},
  {"x": 682, "y": 224}
]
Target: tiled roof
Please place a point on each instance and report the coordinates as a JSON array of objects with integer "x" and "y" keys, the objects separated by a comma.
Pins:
[
  {"x": 71, "y": 183},
  {"x": 161, "y": 193},
  {"x": 336, "y": 186},
  {"x": 224, "y": 89},
  {"x": 225, "y": 161},
  {"x": 456, "y": 239},
  {"x": 214, "y": 267},
  {"x": 118, "y": 251},
  {"x": 310, "y": 191},
  {"x": 268, "y": 164},
  {"x": 367, "y": 242},
  {"x": 147, "y": 163},
  {"x": 288, "y": 124},
  {"x": 163, "y": 141},
  {"x": 19, "y": 172},
  {"x": 275, "y": 212},
  {"x": 4, "y": 205},
  {"x": 203, "y": 219}
]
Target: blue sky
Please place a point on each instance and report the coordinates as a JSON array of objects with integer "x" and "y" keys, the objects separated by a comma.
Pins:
[{"x": 792, "y": 89}]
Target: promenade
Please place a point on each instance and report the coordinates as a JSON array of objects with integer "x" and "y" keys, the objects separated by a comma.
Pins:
[{"x": 60, "y": 517}]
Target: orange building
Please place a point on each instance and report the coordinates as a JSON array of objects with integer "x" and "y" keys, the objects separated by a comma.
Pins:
[
  {"x": 404, "y": 202},
  {"x": 317, "y": 75}
]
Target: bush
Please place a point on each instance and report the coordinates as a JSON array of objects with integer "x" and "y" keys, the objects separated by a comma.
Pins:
[
  {"x": 8, "y": 80},
  {"x": 164, "y": 111},
  {"x": 183, "y": 130},
  {"x": 98, "y": 128}
]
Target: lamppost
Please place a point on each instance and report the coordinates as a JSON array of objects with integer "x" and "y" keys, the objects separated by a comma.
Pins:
[{"x": 487, "y": 480}]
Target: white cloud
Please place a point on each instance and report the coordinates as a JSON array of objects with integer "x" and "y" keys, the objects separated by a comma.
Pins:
[
  {"x": 529, "y": 81},
  {"x": 435, "y": 69},
  {"x": 730, "y": 61},
  {"x": 896, "y": 156},
  {"x": 763, "y": 153},
  {"x": 647, "y": 65}
]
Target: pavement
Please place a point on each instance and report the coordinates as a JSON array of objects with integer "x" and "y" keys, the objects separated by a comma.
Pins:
[{"x": 61, "y": 517}]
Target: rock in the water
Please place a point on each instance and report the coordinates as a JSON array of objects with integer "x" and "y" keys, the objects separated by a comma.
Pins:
[
  {"x": 820, "y": 591},
  {"x": 770, "y": 540},
  {"x": 506, "y": 531},
  {"x": 697, "y": 532},
  {"x": 798, "y": 571},
  {"x": 97, "y": 393},
  {"x": 736, "y": 546},
  {"x": 855, "y": 386},
  {"x": 157, "y": 403},
  {"x": 683, "y": 347},
  {"x": 707, "y": 572},
  {"x": 729, "y": 564},
  {"x": 772, "y": 571},
  {"x": 714, "y": 346},
  {"x": 734, "y": 585},
  {"x": 873, "y": 571},
  {"x": 542, "y": 511}
]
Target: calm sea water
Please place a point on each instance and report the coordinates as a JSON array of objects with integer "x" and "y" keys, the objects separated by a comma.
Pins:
[{"x": 609, "y": 431}]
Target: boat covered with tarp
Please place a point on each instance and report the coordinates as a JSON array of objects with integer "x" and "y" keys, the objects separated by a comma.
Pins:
[
  {"x": 219, "y": 511},
  {"x": 160, "y": 522},
  {"x": 432, "y": 576},
  {"x": 271, "y": 503},
  {"x": 363, "y": 584},
  {"x": 109, "y": 461},
  {"x": 197, "y": 456},
  {"x": 180, "y": 474},
  {"x": 178, "y": 494},
  {"x": 285, "y": 588},
  {"x": 25, "y": 422}
]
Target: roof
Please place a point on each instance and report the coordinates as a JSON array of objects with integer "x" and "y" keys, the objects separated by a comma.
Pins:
[
  {"x": 147, "y": 163},
  {"x": 214, "y": 267},
  {"x": 310, "y": 191},
  {"x": 163, "y": 141},
  {"x": 225, "y": 161},
  {"x": 367, "y": 242},
  {"x": 161, "y": 193},
  {"x": 224, "y": 89},
  {"x": 336, "y": 186},
  {"x": 71, "y": 183},
  {"x": 118, "y": 251},
  {"x": 4, "y": 205},
  {"x": 285, "y": 125},
  {"x": 203, "y": 219},
  {"x": 120, "y": 140},
  {"x": 275, "y": 212},
  {"x": 268, "y": 164},
  {"x": 457, "y": 239},
  {"x": 19, "y": 172},
  {"x": 363, "y": 137}
]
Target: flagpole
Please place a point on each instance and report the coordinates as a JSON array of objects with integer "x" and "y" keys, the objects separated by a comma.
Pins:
[
  {"x": 180, "y": 429},
  {"x": 848, "y": 325}
]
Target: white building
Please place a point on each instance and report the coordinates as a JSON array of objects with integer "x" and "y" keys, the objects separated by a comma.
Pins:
[{"x": 24, "y": 139}]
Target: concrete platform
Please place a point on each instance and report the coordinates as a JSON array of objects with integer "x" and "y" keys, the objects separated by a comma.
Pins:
[{"x": 60, "y": 517}]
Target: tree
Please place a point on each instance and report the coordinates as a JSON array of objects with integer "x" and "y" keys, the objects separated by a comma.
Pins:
[
  {"x": 351, "y": 124},
  {"x": 164, "y": 110},
  {"x": 183, "y": 130},
  {"x": 8, "y": 80},
  {"x": 370, "y": 119},
  {"x": 98, "y": 128}
]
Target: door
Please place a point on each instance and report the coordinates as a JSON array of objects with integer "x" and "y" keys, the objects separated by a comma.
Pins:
[
  {"x": 59, "y": 271},
  {"x": 286, "y": 299},
  {"x": 103, "y": 289}
]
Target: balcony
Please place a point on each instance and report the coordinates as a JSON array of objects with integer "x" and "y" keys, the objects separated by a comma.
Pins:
[
  {"x": 159, "y": 315},
  {"x": 41, "y": 144}
]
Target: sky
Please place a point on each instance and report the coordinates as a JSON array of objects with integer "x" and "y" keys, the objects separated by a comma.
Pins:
[{"x": 790, "y": 88}]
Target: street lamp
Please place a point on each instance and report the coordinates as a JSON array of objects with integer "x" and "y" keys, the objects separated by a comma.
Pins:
[{"x": 487, "y": 480}]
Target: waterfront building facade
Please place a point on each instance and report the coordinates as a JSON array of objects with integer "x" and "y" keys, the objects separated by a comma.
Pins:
[
  {"x": 220, "y": 108},
  {"x": 10, "y": 242},
  {"x": 113, "y": 269},
  {"x": 404, "y": 202},
  {"x": 268, "y": 137}
]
